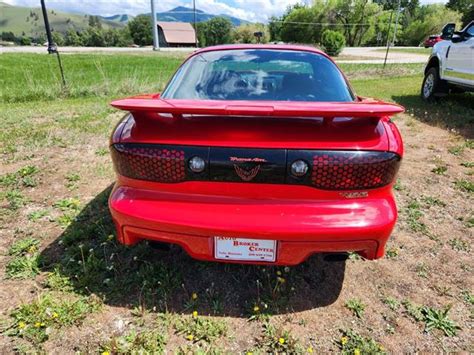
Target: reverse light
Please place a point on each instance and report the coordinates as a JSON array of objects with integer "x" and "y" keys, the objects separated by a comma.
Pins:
[
  {"x": 299, "y": 168},
  {"x": 197, "y": 164}
]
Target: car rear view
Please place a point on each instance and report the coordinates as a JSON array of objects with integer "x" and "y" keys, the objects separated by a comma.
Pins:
[{"x": 256, "y": 154}]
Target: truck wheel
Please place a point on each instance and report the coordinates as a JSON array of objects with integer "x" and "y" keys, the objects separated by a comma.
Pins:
[{"x": 432, "y": 85}]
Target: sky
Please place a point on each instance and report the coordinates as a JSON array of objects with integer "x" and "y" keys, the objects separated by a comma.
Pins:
[{"x": 250, "y": 10}]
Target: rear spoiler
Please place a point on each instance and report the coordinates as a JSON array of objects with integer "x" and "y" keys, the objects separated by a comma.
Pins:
[{"x": 362, "y": 108}]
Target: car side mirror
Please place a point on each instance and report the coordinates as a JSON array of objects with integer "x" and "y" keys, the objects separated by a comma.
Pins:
[
  {"x": 457, "y": 38},
  {"x": 448, "y": 30}
]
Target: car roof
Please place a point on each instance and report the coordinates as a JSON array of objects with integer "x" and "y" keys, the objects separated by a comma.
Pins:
[{"x": 288, "y": 47}]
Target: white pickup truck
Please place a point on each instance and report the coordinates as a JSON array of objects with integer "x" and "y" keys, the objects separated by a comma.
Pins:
[{"x": 451, "y": 64}]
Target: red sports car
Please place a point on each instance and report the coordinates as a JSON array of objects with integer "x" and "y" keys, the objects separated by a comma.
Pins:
[
  {"x": 256, "y": 154},
  {"x": 431, "y": 41}
]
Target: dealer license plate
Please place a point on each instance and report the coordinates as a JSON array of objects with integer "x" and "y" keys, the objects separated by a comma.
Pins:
[{"x": 226, "y": 248}]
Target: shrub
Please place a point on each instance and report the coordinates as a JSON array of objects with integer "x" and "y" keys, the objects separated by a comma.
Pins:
[{"x": 333, "y": 42}]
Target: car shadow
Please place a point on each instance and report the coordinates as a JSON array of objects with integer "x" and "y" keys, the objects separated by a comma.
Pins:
[
  {"x": 455, "y": 111},
  {"x": 88, "y": 260}
]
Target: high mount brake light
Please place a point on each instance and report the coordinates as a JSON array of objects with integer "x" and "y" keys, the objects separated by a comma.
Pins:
[{"x": 326, "y": 170}]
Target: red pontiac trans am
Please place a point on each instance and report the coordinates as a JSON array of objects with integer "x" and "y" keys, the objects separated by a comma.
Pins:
[{"x": 257, "y": 154}]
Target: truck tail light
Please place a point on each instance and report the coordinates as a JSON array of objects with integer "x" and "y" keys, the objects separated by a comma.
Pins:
[{"x": 353, "y": 170}]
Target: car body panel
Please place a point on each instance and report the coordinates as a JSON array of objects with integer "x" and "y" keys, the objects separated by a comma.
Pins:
[
  {"x": 303, "y": 219},
  {"x": 456, "y": 60},
  {"x": 431, "y": 41}
]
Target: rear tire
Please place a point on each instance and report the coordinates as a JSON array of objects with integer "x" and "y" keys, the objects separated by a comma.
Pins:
[{"x": 432, "y": 85}]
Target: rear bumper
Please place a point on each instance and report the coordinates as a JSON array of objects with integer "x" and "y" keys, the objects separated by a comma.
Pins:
[{"x": 301, "y": 227}]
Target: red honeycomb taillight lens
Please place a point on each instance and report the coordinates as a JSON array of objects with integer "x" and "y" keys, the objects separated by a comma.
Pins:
[
  {"x": 147, "y": 162},
  {"x": 353, "y": 170}
]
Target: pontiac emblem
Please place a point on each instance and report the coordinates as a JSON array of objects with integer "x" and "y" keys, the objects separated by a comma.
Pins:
[
  {"x": 244, "y": 174},
  {"x": 247, "y": 175}
]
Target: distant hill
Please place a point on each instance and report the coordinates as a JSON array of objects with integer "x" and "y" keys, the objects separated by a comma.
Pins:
[
  {"x": 26, "y": 21},
  {"x": 185, "y": 14}
]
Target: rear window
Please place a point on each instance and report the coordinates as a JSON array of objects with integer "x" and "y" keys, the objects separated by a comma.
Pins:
[{"x": 259, "y": 74}]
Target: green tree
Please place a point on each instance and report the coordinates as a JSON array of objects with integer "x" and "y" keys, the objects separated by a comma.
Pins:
[
  {"x": 218, "y": 30},
  {"x": 465, "y": 7},
  {"x": 25, "y": 41},
  {"x": 93, "y": 37},
  {"x": 141, "y": 30},
  {"x": 117, "y": 38},
  {"x": 274, "y": 28},
  {"x": 246, "y": 33},
  {"x": 58, "y": 38},
  {"x": 429, "y": 20},
  {"x": 276, "y": 23},
  {"x": 333, "y": 42},
  {"x": 8, "y": 36},
  {"x": 94, "y": 21},
  {"x": 201, "y": 33},
  {"x": 354, "y": 16},
  {"x": 72, "y": 38}
]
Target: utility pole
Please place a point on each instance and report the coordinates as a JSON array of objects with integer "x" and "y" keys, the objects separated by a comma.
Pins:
[
  {"x": 388, "y": 39},
  {"x": 195, "y": 27},
  {"x": 396, "y": 23},
  {"x": 156, "y": 41}
]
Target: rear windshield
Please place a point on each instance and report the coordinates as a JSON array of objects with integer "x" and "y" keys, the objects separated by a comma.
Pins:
[{"x": 259, "y": 74}]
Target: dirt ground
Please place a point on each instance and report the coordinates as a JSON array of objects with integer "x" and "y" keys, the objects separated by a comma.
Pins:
[{"x": 429, "y": 264}]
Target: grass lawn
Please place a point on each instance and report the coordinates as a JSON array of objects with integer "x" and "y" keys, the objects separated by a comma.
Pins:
[{"x": 67, "y": 286}]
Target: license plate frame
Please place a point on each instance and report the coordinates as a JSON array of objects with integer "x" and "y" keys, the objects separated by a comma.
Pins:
[{"x": 245, "y": 249}]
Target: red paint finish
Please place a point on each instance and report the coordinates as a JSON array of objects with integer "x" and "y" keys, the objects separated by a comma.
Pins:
[
  {"x": 431, "y": 41},
  {"x": 303, "y": 219},
  {"x": 360, "y": 108}
]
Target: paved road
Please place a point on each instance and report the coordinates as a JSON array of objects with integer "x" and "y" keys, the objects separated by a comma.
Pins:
[
  {"x": 376, "y": 55},
  {"x": 369, "y": 55}
]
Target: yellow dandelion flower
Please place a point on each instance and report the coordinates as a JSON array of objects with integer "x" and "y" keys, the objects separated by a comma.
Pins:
[
  {"x": 105, "y": 353},
  {"x": 356, "y": 351},
  {"x": 256, "y": 309},
  {"x": 194, "y": 296},
  {"x": 381, "y": 348},
  {"x": 38, "y": 324},
  {"x": 190, "y": 337},
  {"x": 310, "y": 350},
  {"x": 281, "y": 341},
  {"x": 344, "y": 340},
  {"x": 249, "y": 353},
  {"x": 54, "y": 315},
  {"x": 21, "y": 325},
  {"x": 281, "y": 280},
  {"x": 195, "y": 314}
]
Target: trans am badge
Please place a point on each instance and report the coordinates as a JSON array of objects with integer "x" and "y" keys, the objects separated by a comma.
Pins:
[{"x": 247, "y": 175}]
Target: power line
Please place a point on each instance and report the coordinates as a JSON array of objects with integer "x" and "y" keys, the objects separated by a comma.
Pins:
[{"x": 328, "y": 23}]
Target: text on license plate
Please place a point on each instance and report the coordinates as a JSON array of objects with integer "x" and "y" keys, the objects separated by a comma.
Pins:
[{"x": 228, "y": 248}]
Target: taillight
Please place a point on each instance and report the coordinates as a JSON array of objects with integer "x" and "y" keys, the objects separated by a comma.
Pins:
[
  {"x": 353, "y": 170},
  {"x": 326, "y": 170},
  {"x": 147, "y": 162}
]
